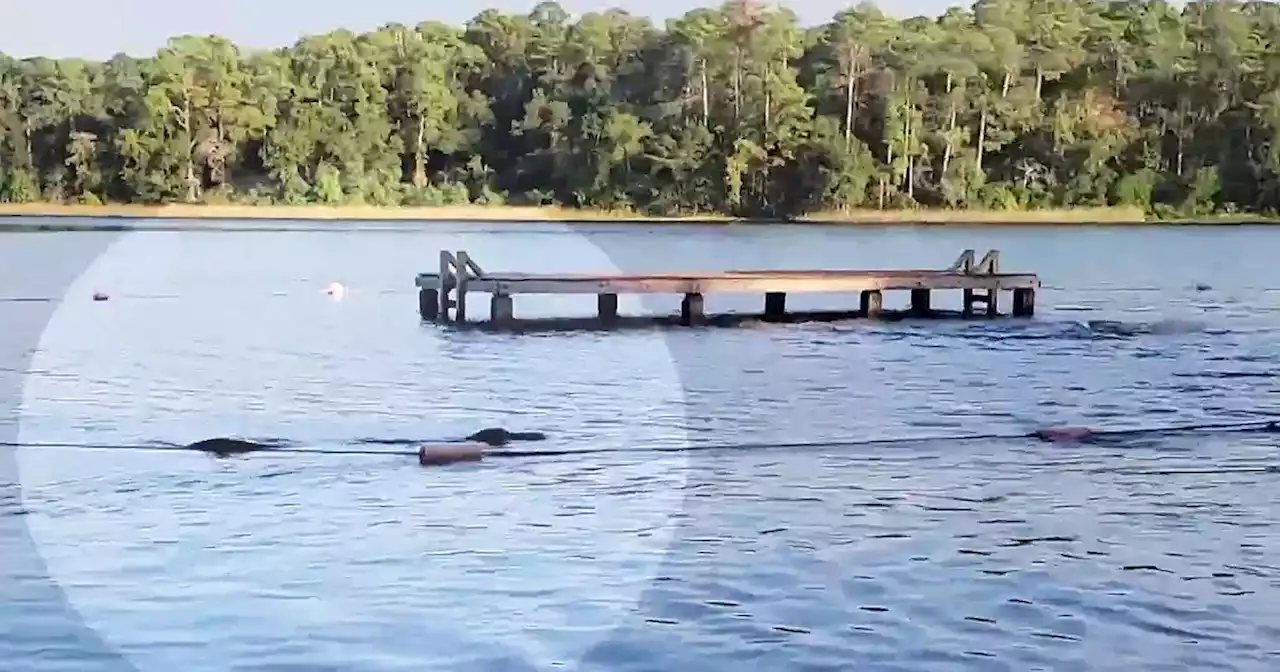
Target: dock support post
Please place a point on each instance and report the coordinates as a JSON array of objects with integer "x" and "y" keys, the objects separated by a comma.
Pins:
[
  {"x": 1024, "y": 302},
  {"x": 871, "y": 303},
  {"x": 967, "y": 311},
  {"x": 691, "y": 309},
  {"x": 501, "y": 309},
  {"x": 775, "y": 306},
  {"x": 428, "y": 304},
  {"x": 463, "y": 275},
  {"x": 993, "y": 303},
  {"x": 460, "y": 302},
  {"x": 446, "y": 283},
  {"x": 607, "y": 308},
  {"x": 920, "y": 303}
]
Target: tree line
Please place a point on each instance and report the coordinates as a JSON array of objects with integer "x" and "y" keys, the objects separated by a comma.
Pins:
[{"x": 734, "y": 109}]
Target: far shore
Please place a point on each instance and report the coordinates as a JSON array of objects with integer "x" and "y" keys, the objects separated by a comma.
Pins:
[{"x": 531, "y": 214}]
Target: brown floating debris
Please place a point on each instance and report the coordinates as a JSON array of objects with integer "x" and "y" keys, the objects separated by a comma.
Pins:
[{"x": 1064, "y": 434}]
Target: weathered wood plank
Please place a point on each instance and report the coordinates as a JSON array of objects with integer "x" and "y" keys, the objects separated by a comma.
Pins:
[{"x": 814, "y": 283}]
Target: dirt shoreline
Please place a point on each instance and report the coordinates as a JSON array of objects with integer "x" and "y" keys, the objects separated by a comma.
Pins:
[{"x": 531, "y": 214}]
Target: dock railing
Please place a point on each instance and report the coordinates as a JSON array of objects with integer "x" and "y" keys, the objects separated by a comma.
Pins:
[
  {"x": 988, "y": 265},
  {"x": 457, "y": 269}
]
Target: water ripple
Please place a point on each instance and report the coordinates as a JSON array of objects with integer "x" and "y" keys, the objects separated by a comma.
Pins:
[{"x": 1158, "y": 553}]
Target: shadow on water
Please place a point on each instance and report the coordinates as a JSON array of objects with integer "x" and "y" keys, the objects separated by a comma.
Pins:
[{"x": 941, "y": 324}]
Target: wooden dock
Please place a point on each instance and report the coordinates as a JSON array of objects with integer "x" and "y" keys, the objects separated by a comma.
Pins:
[{"x": 442, "y": 296}]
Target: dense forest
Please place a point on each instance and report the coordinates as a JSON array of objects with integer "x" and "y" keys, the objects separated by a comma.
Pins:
[{"x": 736, "y": 109}]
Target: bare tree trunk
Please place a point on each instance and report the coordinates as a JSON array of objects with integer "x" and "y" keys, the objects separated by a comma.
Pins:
[
  {"x": 848, "y": 107},
  {"x": 419, "y": 158},
  {"x": 882, "y": 180},
  {"x": 1181, "y": 154},
  {"x": 951, "y": 128},
  {"x": 737, "y": 85},
  {"x": 191, "y": 145},
  {"x": 768, "y": 101},
  {"x": 706, "y": 96},
  {"x": 908, "y": 134},
  {"x": 982, "y": 137}
]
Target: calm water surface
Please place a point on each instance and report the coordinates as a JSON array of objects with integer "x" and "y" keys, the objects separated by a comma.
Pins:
[{"x": 934, "y": 555}]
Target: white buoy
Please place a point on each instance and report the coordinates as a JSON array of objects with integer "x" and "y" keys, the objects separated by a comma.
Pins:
[{"x": 336, "y": 290}]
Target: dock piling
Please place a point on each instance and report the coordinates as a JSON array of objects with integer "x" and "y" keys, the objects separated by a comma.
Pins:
[
  {"x": 444, "y": 285},
  {"x": 871, "y": 303},
  {"x": 428, "y": 304},
  {"x": 501, "y": 309},
  {"x": 463, "y": 276},
  {"x": 607, "y": 308},
  {"x": 775, "y": 306},
  {"x": 1024, "y": 302},
  {"x": 691, "y": 309},
  {"x": 920, "y": 303}
]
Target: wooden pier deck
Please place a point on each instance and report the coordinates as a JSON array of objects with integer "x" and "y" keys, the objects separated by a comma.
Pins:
[{"x": 442, "y": 296}]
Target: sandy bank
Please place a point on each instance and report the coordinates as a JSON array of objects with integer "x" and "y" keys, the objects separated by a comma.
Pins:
[
  {"x": 517, "y": 214},
  {"x": 449, "y": 213}
]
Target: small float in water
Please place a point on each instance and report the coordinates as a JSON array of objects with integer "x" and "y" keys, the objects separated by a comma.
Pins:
[
  {"x": 1064, "y": 434},
  {"x": 434, "y": 454}
]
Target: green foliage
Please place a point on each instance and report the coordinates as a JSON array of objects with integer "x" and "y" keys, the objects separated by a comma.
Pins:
[
  {"x": 734, "y": 109},
  {"x": 1136, "y": 189},
  {"x": 18, "y": 187},
  {"x": 328, "y": 186},
  {"x": 1202, "y": 192}
]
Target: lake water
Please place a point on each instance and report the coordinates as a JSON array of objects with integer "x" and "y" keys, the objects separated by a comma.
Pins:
[{"x": 1156, "y": 554}]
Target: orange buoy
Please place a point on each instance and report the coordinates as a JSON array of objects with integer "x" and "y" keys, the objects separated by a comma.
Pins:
[
  {"x": 1064, "y": 434},
  {"x": 448, "y": 453}
]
